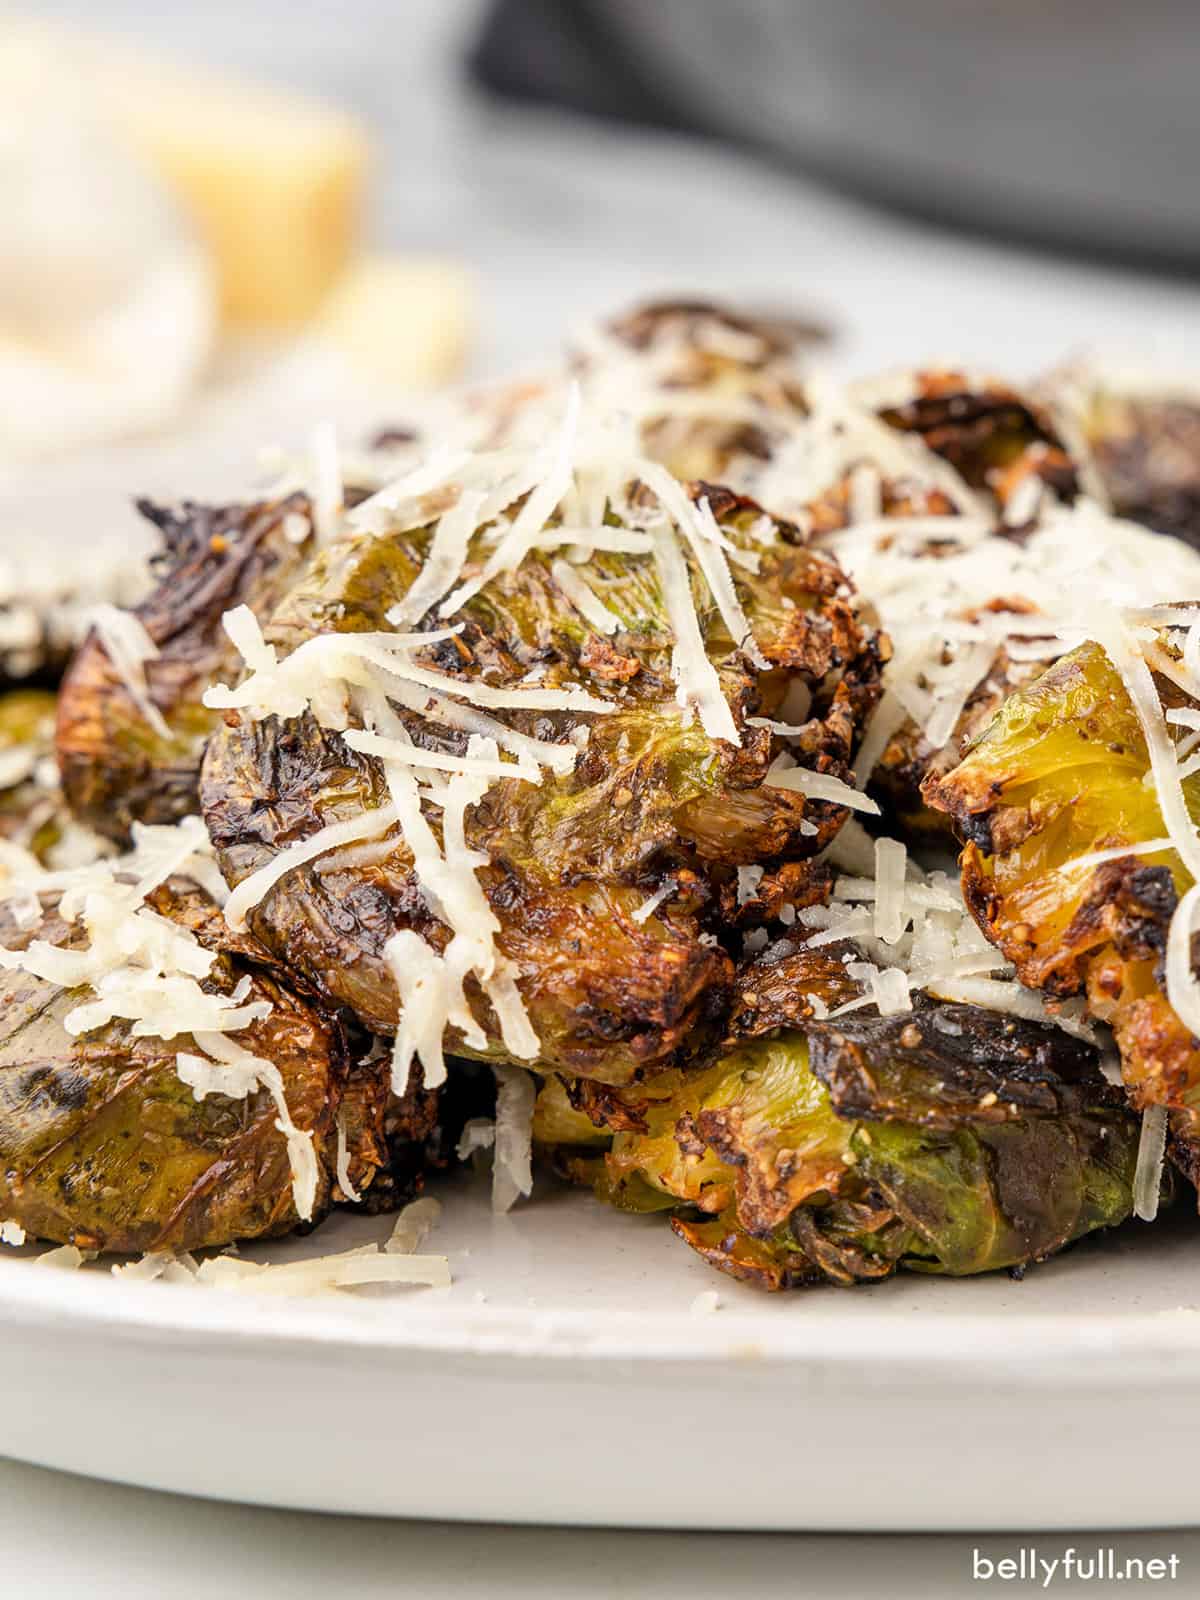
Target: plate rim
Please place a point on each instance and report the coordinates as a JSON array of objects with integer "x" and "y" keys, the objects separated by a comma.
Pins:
[{"x": 1030, "y": 1347}]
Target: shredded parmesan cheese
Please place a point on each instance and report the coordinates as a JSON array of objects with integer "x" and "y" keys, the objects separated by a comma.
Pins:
[
  {"x": 1182, "y": 990},
  {"x": 696, "y": 678},
  {"x": 588, "y": 604},
  {"x": 820, "y": 786},
  {"x": 512, "y": 1172},
  {"x": 342, "y": 1164},
  {"x": 890, "y": 862},
  {"x": 234, "y": 1072},
  {"x": 446, "y": 559},
  {"x": 651, "y": 904},
  {"x": 479, "y": 1133},
  {"x": 889, "y": 990},
  {"x": 411, "y": 755},
  {"x": 748, "y": 881},
  {"x": 413, "y": 1226},
  {"x": 699, "y": 528},
  {"x": 128, "y": 646},
  {"x": 159, "y": 1266},
  {"x": 1147, "y": 1178},
  {"x": 1097, "y": 858},
  {"x": 1135, "y": 674},
  {"x": 421, "y": 980},
  {"x": 1000, "y": 995},
  {"x": 64, "y": 1258},
  {"x": 351, "y": 1269},
  {"x": 531, "y": 520},
  {"x": 328, "y": 495},
  {"x": 255, "y": 887}
]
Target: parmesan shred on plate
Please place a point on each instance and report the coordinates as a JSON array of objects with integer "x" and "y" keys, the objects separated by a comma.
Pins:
[
  {"x": 414, "y": 1223},
  {"x": 396, "y": 1263},
  {"x": 348, "y": 1269},
  {"x": 1152, "y": 1147},
  {"x": 512, "y": 1162}
]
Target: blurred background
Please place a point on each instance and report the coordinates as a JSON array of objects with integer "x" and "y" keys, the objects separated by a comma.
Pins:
[{"x": 225, "y": 221}]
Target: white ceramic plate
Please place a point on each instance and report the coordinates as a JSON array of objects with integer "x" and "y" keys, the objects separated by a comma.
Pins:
[{"x": 566, "y": 1377}]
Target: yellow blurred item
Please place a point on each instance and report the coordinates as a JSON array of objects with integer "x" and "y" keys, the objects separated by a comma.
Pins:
[
  {"x": 403, "y": 321},
  {"x": 149, "y": 209},
  {"x": 274, "y": 182}
]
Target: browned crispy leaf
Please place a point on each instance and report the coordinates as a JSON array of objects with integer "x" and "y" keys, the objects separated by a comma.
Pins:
[{"x": 116, "y": 769}]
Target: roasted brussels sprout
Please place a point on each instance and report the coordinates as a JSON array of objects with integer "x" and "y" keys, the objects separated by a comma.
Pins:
[
  {"x": 992, "y": 436},
  {"x": 31, "y": 810},
  {"x": 722, "y": 393},
  {"x": 910, "y": 759},
  {"x": 26, "y": 725},
  {"x": 716, "y": 388},
  {"x": 34, "y": 816},
  {"x": 985, "y": 452},
  {"x": 613, "y": 753},
  {"x": 1063, "y": 775},
  {"x": 118, "y": 768},
  {"x": 949, "y": 1139},
  {"x": 652, "y": 804},
  {"x": 1145, "y": 450},
  {"x": 104, "y": 1146}
]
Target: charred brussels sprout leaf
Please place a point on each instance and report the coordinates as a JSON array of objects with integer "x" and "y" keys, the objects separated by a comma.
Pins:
[
  {"x": 788, "y": 984},
  {"x": 116, "y": 768},
  {"x": 943, "y": 1064}
]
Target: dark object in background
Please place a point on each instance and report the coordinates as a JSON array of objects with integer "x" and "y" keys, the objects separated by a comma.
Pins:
[
  {"x": 1070, "y": 122},
  {"x": 570, "y": 56}
]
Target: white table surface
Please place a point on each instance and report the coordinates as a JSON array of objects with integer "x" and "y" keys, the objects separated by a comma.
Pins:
[
  {"x": 561, "y": 221},
  {"x": 89, "y": 1541}
]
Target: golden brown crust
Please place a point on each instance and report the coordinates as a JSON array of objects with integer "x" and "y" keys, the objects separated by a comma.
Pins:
[{"x": 730, "y": 1250}]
